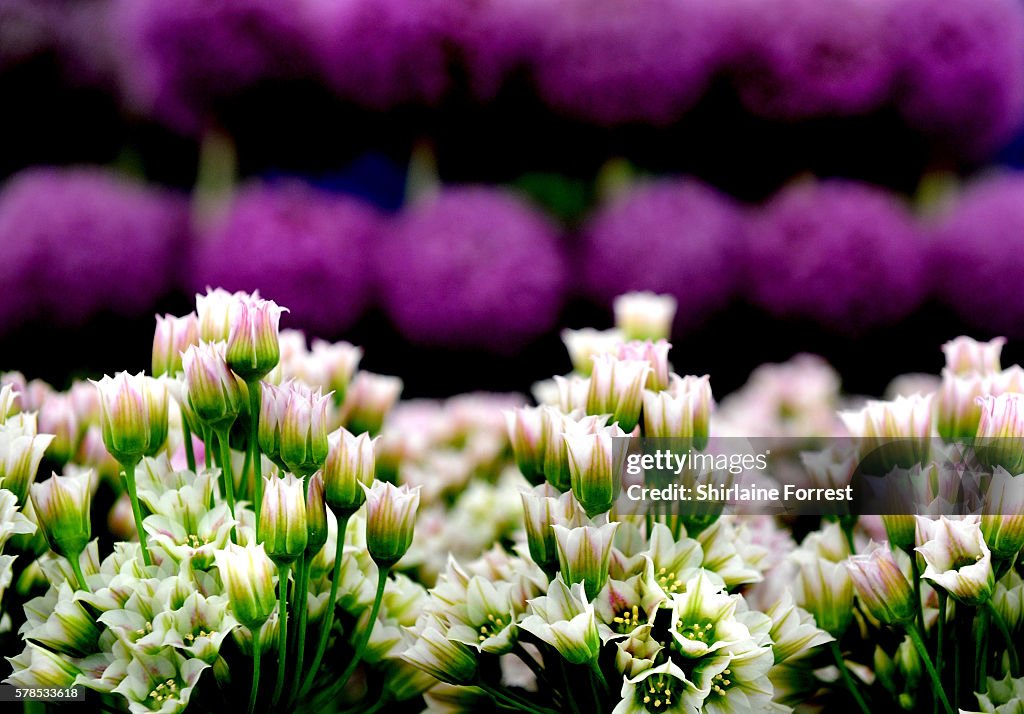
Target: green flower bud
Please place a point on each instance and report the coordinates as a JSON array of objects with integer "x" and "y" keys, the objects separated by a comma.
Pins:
[
  {"x": 900, "y": 529},
  {"x": 645, "y": 315},
  {"x": 253, "y": 348},
  {"x": 595, "y": 465},
  {"x": 350, "y": 462},
  {"x": 825, "y": 590},
  {"x": 283, "y": 523},
  {"x": 390, "y": 521},
  {"x": 248, "y": 577},
  {"x": 616, "y": 388},
  {"x": 1000, "y": 438},
  {"x": 62, "y": 506},
  {"x": 215, "y": 393},
  {"x": 882, "y": 587},
  {"x": 173, "y": 336},
  {"x": 316, "y": 514},
  {"x": 303, "y": 429},
  {"x": 526, "y": 434},
  {"x": 21, "y": 450},
  {"x": 584, "y": 554},
  {"x": 133, "y": 415},
  {"x": 368, "y": 400}
]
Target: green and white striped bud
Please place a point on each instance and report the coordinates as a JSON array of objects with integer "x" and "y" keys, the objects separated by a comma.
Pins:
[
  {"x": 133, "y": 415},
  {"x": 882, "y": 587},
  {"x": 62, "y": 507},
  {"x": 283, "y": 523},
  {"x": 173, "y": 336},
  {"x": 351, "y": 461},
  {"x": 253, "y": 348},
  {"x": 390, "y": 521},
  {"x": 248, "y": 576},
  {"x": 215, "y": 393}
]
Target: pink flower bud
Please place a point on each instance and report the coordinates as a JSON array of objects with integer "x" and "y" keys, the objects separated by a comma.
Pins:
[{"x": 173, "y": 336}]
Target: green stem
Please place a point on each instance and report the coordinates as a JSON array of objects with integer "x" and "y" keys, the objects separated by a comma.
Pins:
[
  {"x": 208, "y": 447},
  {"x": 958, "y": 663},
  {"x": 300, "y": 605},
  {"x": 1011, "y": 647},
  {"x": 282, "y": 640},
  {"x": 328, "y": 623},
  {"x": 519, "y": 651},
  {"x": 837, "y": 654},
  {"x": 569, "y": 688},
  {"x": 981, "y": 651},
  {"x": 129, "y": 477},
  {"x": 847, "y": 527},
  {"x": 364, "y": 638},
  {"x": 940, "y": 646},
  {"x": 255, "y": 669},
  {"x": 254, "y": 448},
  {"x": 186, "y": 433},
  {"x": 599, "y": 675},
  {"x": 227, "y": 473},
  {"x": 76, "y": 567},
  {"x": 511, "y": 700},
  {"x": 922, "y": 652}
]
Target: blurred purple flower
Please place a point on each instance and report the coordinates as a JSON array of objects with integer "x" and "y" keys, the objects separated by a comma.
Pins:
[
  {"x": 472, "y": 267},
  {"x": 614, "y": 62},
  {"x": 804, "y": 58},
  {"x": 303, "y": 248},
  {"x": 80, "y": 241},
  {"x": 382, "y": 53},
  {"x": 496, "y": 39},
  {"x": 845, "y": 254},
  {"x": 669, "y": 236},
  {"x": 962, "y": 69},
  {"x": 180, "y": 58},
  {"x": 978, "y": 254},
  {"x": 73, "y": 31}
]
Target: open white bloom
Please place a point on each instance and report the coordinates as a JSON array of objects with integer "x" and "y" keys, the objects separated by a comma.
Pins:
[
  {"x": 564, "y": 618},
  {"x": 958, "y": 560}
]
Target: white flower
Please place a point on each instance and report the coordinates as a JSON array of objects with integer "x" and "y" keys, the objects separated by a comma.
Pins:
[
  {"x": 957, "y": 559},
  {"x": 564, "y": 618}
]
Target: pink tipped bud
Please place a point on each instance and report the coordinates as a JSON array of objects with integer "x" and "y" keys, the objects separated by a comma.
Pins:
[
  {"x": 173, "y": 336},
  {"x": 214, "y": 392},
  {"x": 968, "y": 356},
  {"x": 253, "y": 348},
  {"x": 882, "y": 587}
]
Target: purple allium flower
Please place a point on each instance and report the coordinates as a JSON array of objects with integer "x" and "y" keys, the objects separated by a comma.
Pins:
[
  {"x": 962, "y": 69},
  {"x": 805, "y": 58},
  {"x": 74, "y": 31},
  {"x": 846, "y": 254},
  {"x": 180, "y": 58},
  {"x": 614, "y": 62},
  {"x": 472, "y": 267},
  {"x": 382, "y": 53},
  {"x": 672, "y": 236},
  {"x": 496, "y": 38},
  {"x": 301, "y": 247},
  {"x": 80, "y": 241},
  {"x": 978, "y": 254}
]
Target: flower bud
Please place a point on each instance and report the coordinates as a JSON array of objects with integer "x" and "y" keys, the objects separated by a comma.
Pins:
[
  {"x": 62, "y": 506},
  {"x": 253, "y": 348},
  {"x": 556, "y": 452},
  {"x": 21, "y": 450},
  {"x": 248, "y": 577},
  {"x": 616, "y": 388},
  {"x": 369, "y": 399},
  {"x": 133, "y": 415},
  {"x": 825, "y": 590},
  {"x": 214, "y": 313},
  {"x": 390, "y": 521},
  {"x": 214, "y": 392},
  {"x": 350, "y": 462},
  {"x": 1003, "y": 534},
  {"x": 583, "y": 345},
  {"x": 571, "y": 393},
  {"x": 442, "y": 658},
  {"x": 683, "y": 413},
  {"x": 882, "y": 587},
  {"x": 1002, "y": 524},
  {"x": 303, "y": 428},
  {"x": 283, "y": 522},
  {"x": 894, "y": 434},
  {"x": 595, "y": 465},
  {"x": 57, "y": 416},
  {"x": 968, "y": 356},
  {"x": 900, "y": 529},
  {"x": 173, "y": 336},
  {"x": 526, "y": 434},
  {"x": 656, "y": 355},
  {"x": 273, "y": 401},
  {"x": 584, "y": 553},
  {"x": 645, "y": 315},
  {"x": 957, "y": 411},
  {"x": 331, "y": 366},
  {"x": 1000, "y": 437},
  {"x": 316, "y": 514},
  {"x": 543, "y": 507},
  {"x": 957, "y": 559},
  {"x": 8, "y": 402}
]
